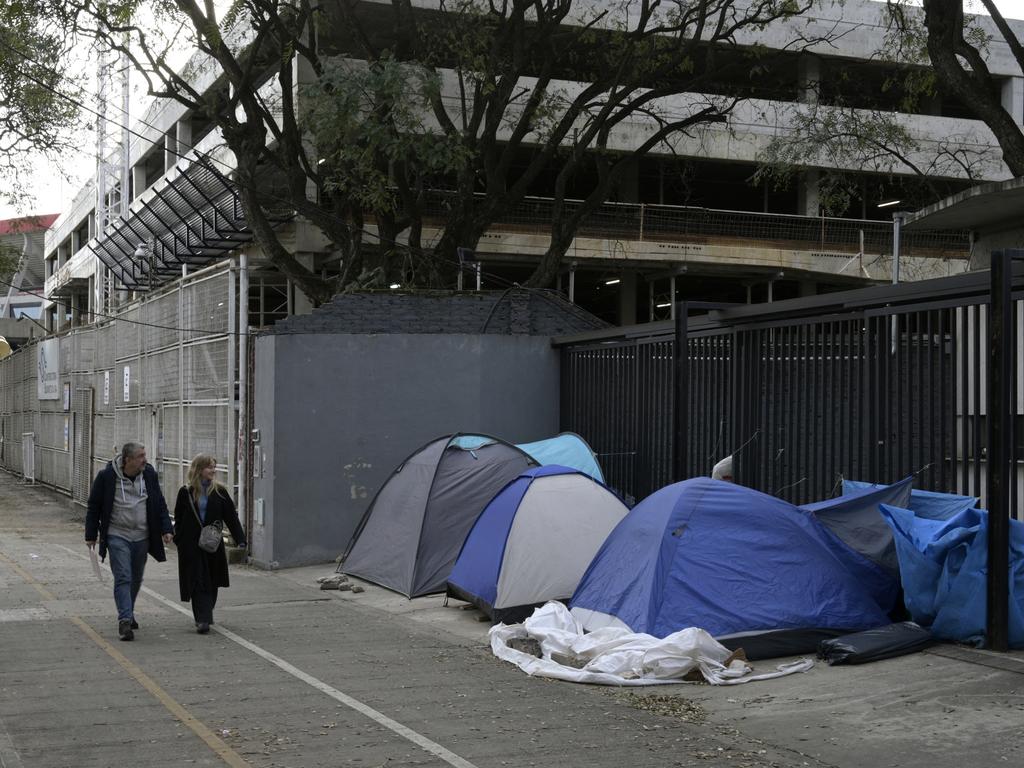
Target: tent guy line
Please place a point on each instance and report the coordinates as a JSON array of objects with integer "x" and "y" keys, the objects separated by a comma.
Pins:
[{"x": 380, "y": 718}]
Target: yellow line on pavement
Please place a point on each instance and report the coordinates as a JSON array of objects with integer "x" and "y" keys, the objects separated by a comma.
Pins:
[
  {"x": 28, "y": 578},
  {"x": 214, "y": 742}
]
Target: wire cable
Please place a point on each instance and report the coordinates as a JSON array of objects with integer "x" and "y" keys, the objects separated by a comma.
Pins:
[{"x": 124, "y": 319}]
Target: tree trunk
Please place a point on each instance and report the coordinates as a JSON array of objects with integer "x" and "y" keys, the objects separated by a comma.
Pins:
[{"x": 944, "y": 20}]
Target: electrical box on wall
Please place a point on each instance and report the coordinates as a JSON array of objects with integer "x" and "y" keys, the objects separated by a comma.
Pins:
[{"x": 257, "y": 512}]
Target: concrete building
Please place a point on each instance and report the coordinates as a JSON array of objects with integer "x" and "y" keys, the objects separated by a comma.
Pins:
[
  {"x": 690, "y": 224},
  {"x": 990, "y": 213},
  {"x": 21, "y": 240}
]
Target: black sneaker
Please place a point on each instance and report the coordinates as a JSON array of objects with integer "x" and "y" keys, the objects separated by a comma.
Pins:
[
  {"x": 135, "y": 624},
  {"x": 202, "y": 628},
  {"x": 124, "y": 629}
]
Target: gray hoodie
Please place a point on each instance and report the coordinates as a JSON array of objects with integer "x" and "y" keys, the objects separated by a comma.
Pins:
[{"x": 128, "y": 515}]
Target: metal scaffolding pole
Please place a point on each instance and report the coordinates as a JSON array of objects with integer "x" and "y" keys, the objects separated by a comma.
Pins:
[{"x": 243, "y": 381}]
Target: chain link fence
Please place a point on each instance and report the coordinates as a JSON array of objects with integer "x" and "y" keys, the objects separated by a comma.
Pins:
[{"x": 160, "y": 373}]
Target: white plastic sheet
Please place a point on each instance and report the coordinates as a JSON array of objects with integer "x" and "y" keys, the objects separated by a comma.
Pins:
[{"x": 613, "y": 656}]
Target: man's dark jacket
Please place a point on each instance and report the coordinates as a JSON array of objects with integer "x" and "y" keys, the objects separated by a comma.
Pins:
[{"x": 101, "y": 502}]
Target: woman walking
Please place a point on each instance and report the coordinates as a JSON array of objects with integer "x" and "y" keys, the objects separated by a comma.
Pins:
[{"x": 203, "y": 501}]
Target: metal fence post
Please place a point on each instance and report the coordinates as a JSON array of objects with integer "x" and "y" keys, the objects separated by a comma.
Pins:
[
  {"x": 1000, "y": 412},
  {"x": 681, "y": 393}
]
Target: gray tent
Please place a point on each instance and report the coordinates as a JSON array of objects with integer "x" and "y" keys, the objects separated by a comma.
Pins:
[{"x": 414, "y": 527}]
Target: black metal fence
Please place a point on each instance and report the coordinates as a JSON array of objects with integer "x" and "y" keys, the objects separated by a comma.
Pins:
[{"x": 875, "y": 384}]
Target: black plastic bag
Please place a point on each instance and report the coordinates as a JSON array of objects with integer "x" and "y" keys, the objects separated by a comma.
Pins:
[{"x": 875, "y": 644}]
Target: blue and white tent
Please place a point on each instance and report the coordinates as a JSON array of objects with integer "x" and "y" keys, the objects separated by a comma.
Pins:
[
  {"x": 567, "y": 450},
  {"x": 749, "y": 568},
  {"x": 533, "y": 542}
]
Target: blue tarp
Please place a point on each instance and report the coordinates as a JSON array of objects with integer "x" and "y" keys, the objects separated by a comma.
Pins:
[
  {"x": 855, "y": 518},
  {"x": 728, "y": 559},
  {"x": 568, "y": 450},
  {"x": 929, "y": 504},
  {"x": 943, "y": 565}
]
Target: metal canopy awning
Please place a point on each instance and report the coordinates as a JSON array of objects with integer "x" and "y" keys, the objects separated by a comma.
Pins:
[
  {"x": 195, "y": 218},
  {"x": 986, "y": 207}
]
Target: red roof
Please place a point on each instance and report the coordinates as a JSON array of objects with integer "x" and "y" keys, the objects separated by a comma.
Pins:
[{"x": 25, "y": 224}]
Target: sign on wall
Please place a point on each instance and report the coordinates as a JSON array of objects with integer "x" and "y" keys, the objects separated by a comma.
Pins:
[
  {"x": 106, "y": 387},
  {"x": 48, "y": 369},
  {"x": 127, "y": 384}
]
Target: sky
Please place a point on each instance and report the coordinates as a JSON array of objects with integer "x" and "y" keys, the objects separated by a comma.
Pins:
[{"x": 55, "y": 185}]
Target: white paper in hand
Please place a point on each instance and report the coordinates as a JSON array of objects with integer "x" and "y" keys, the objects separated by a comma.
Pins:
[{"x": 96, "y": 565}]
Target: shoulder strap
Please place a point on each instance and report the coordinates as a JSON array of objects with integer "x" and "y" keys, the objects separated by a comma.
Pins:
[{"x": 192, "y": 504}]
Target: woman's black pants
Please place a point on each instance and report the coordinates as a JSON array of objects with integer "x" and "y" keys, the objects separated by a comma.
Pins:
[{"x": 203, "y": 602}]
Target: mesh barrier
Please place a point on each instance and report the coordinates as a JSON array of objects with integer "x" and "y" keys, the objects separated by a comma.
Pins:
[
  {"x": 179, "y": 335},
  {"x": 674, "y": 223}
]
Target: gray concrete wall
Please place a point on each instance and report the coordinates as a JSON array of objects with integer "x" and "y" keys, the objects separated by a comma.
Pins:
[
  {"x": 995, "y": 240},
  {"x": 337, "y": 413}
]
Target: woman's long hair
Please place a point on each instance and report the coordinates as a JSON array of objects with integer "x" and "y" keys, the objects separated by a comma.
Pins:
[{"x": 194, "y": 479}]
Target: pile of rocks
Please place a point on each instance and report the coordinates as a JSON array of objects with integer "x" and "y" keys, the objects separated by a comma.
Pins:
[{"x": 340, "y": 582}]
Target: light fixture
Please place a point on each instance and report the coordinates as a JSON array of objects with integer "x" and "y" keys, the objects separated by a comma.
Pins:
[
  {"x": 887, "y": 203},
  {"x": 393, "y": 286},
  {"x": 666, "y": 305},
  {"x": 321, "y": 161},
  {"x": 613, "y": 281}
]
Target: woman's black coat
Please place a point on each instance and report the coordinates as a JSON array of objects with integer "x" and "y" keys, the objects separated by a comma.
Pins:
[{"x": 186, "y": 537}]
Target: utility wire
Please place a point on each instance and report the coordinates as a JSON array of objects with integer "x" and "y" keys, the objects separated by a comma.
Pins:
[{"x": 126, "y": 320}]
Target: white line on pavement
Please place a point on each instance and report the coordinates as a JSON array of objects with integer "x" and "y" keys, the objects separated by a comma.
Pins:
[
  {"x": 9, "y": 757},
  {"x": 393, "y": 725}
]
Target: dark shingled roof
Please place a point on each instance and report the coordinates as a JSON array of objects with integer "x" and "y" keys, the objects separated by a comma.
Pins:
[{"x": 515, "y": 311}]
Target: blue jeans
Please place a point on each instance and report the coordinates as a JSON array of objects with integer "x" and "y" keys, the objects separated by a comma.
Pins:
[{"x": 127, "y": 562}]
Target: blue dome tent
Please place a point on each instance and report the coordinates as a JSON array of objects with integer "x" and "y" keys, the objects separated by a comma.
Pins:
[
  {"x": 751, "y": 569},
  {"x": 534, "y": 541}
]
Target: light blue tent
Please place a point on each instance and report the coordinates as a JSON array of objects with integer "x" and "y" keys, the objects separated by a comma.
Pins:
[
  {"x": 567, "y": 450},
  {"x": 943, "y": 565},
  {"x": 752, "y": 569}
]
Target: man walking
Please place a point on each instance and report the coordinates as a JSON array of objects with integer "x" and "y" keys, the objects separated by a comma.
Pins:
[{"x": 128, "y": 512}]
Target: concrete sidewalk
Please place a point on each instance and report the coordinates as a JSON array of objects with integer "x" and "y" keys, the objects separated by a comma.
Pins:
[{"x": 296, "y": 676}]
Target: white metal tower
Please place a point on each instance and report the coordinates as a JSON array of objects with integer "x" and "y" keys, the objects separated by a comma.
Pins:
[{"x": 112, "y": 173}]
